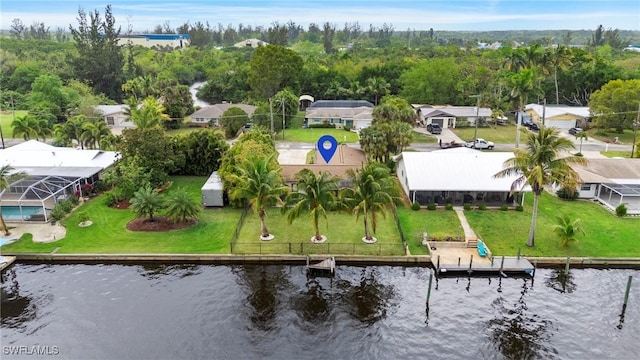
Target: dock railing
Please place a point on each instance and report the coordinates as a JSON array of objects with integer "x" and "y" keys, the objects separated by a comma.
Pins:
[{"x": 328, "y": 248}]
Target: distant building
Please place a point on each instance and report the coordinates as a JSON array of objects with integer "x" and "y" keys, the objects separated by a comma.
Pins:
[
  {"x": 210, "y": 115},
  {"x": 174, "y": 41},
  {"x": 559, "y": 116},
  {"x": 355, "y": 114},
  {"x": 253, "y": 43},
  {"x": 447, "y": 116},
  {"x": 114, "y": 115}
]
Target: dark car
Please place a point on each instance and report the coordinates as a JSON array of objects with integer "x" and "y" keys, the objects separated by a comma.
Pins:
[
  {"x": 533, "y": 127},
  {"x": 434, "y": 129},
  {"x": 575, "y": 130}
]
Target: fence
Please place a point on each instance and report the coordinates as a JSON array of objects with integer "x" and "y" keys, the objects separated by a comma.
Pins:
[
  {"x": 236, "y": 232},
  {"x": 332, "y": 248}
]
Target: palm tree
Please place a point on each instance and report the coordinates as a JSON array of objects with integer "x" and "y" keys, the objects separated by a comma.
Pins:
[
  {"x": 146, "y": 202},
  {"x": 260, "y": 184},
  {"x": 93, "y": 132},
  {"x": 559, "y": 59},
  {"x": 522, "y": 84},
  {"x": 7, "y": 177},
  {"x": 181, "y": 207},
  {"x": 374, "y": 191},
  {"x": 542, "y": 163},
  {"x": 377, "y": 86},
  {"x": 25, "y": 126},
  {"x": 315, "y": 194},
  {"x": 582, "y": 135},
  {"x": 42, "y": 128},
  {"x": 150, "y": 114},
  {"x": 567, "y": 230}
]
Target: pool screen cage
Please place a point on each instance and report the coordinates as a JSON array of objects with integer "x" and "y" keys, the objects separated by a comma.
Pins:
[
  {"x": 39, "y": 191},
  {"x": 613, "y": 195}
]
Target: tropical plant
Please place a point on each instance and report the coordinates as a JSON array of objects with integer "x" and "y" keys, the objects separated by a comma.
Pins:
[
  {"x": 7, "y": 177},
  {"x": 374, "y": 191},
  {"x": 567, "y": 230},
  {"x": 542, "y": 163},
  {"x": 147, "y": 202},
  {"x": 621, "y": 210},
  {"x": 582, "y": 135},
  {"x": 377, "y": 86},
  {"x": 315, "y": 194},
  {"x": 259, "y": 183},
  {"x": 25, "y": 126},
  {"x": 149, "y": 114},
  {"x": 93, "y": 132},
  {"x": 181, "y": 207}
]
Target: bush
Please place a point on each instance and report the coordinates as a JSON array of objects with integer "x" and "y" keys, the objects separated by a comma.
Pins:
[
  {"x": 567, "y": 193},
  {"x": 449, "y": 206},
  {"x": 57, "y": 213},
  {"x": 482, "y": 206},
  {"x": 467, "y": 206},
  {"x": 83, "y": 216},
  {"x": 347, "y": 128},
  {"x": 504, "y": 207},
  {"x": 519, "y": 208},
  {"x": 321, "y": 126},
  {"x": 99, "y": 186},
  {"x": 415, "y": 206},
  {"x": 74, "y": 200},
  {"x": 621, "y": 210},
  {"x": 431, "y": 206},
  {"x": 66, "y": 206}
]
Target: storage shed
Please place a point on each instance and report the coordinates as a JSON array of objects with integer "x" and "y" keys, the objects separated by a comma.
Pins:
[{"x": 212, "y": 191}]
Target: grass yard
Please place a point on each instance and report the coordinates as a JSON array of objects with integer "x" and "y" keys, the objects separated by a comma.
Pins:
[
  {"x": 438, "y": 223},
  {"x": 423, "y": 138},
  {"x": 611, "y": 154},
  {"x": 6, "y": 118},
  {"x": 498, "y": 134},
  {"x": 606, "y": 234},
  {"x": 607, "y": 135},
  {"x": 311, "y": 135},
  {"x": 108, "y": 234},
  {"x": 344, "y": 236}
]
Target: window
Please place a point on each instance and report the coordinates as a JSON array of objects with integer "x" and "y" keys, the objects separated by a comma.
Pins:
[{"x": 585, "y": 187}]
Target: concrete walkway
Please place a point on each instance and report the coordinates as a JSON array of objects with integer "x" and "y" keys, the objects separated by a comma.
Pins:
[
  {"x": 42, "y": 233},
  {"x": 469, "y": 234}
]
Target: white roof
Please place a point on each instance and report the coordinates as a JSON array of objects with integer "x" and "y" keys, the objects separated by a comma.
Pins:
[
  {"x": 34, "y": 154},
  {"x": 458, "y": 169},
  {"x": 111, "y": 109},
  {"x": 552, "y": 111}
]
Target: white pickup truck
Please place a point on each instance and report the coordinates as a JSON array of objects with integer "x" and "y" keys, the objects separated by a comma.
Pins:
[{"x": 480, "y": 144}]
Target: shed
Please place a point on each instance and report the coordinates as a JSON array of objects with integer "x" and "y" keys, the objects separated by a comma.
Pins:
[{"x": 212, "y": 193}]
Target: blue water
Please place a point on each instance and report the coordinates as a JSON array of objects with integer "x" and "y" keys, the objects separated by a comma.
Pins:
[{"x": 13, "y": 212}]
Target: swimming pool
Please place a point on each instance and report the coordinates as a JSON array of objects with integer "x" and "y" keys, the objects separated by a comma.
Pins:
[{"x": 13, "y": 212}]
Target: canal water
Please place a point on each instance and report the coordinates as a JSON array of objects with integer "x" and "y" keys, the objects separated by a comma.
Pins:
[{"x": 277, "y": 312}]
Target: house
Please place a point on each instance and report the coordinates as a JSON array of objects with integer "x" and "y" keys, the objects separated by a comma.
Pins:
[
  {"x": 174, "y": 41},
  {"x": 611, "y": 182},
  {"x": 253, "y": 43},
  {"x": 448, "y": 116},
  {"x": 54, "y": 174},
  {"x": 114, "y": 115},
  {"x": 456, "y": 176},
  {"x": 561, "y": 117},
  {"x": 210, "y": 115},
  {"x": 305, "y": 101},
  {"x": 356, "y": 114}
]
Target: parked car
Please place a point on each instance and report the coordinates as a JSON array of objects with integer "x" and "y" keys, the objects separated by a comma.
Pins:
[
  {"x": 480, "y": 144},
  {"x": 575, "y": 130},
  {"x": 533, "y": 127},
  {"x": 434, "y": 129}
]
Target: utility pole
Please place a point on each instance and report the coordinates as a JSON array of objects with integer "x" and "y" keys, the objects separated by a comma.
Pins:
[
  {"x": 475, "y": 131},
  {"x": 635, "y": 132},
  {"x": 544, "y": 108},
  {"x": 283, "y": 101},
  {"x": 271, "y": 111}
]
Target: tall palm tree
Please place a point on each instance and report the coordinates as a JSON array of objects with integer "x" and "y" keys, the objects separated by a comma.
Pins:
[
  {"x": 151, "y": 113},
  {"x": 542, "y": 163},
  {"x": 378, "y": 87},
  {"x": 147, "y": 202},
  {"x": 582, "y": 135},
  {"x": 373, "y": 192},
  {"x": 315, "y": 194},
  {"x": 260, "y": 184},
  {"x": 93, "y": 133},
  {"x": 25, "y": 126},
  {"x": 181, "y": 207},
  {"x": 559, "y": 59},
  {"x": 7, "y": 177},
  {"x": 567, "y": 230},
  {"x": 522, "y": 84}
]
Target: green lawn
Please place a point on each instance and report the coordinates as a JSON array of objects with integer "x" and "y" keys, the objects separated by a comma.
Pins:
[
  {"x": 606, "y": 234},
  {"x": 438, "y": 223},
  {"x": 6, "y": 117},
  {"x": 344, "y": 236},
  {"x": 498, "y": 134},
  {"x": 609, "y": 134},
  {"x": 311, "y": 135},
  {"x": 423, "y": 138},
  {"x": 623, "y": 154}
]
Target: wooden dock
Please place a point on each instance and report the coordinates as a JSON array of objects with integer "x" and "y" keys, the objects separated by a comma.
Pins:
[
  {"x": 326, "y": 266},
  {"x": 499, "y": 266},
  {"x": 5, "y": 261}
]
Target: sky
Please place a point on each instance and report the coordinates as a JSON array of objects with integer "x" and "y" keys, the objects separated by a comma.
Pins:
[{"x": 459, "y": 15}]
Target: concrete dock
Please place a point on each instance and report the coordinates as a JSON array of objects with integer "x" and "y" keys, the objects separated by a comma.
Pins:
[
  {"x": 6, "y": 261},
  {"x": 497, "y": 266}
]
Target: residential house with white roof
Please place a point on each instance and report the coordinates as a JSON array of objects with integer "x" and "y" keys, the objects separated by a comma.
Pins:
[
  {"x": 561, "y": 117},
  {"x": 448, "y": 116}
]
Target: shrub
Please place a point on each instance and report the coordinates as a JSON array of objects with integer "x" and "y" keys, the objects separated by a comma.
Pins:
[
  {"x": 467, "y": 206},
  {"x": 504, "y": 207},
  {"x": 74, "y": 200},
  {"x": 431, "y": 206},
  {"x": 57, "y": 213},
  {"x": 567, "y": 193},
  {"x": 66, "y": 206},
  {"x": 347, "y": 128},
  {"x": 415, "y": 206},
  {"x": 482, "y": 206},
  {"x": 83, "y": 216},
  {"x": 87, "y": 189},
  {"x": 621, "y": 210},
  {"x": 519, "y": 208},
  {"x": 99, "y": 186},
  {"x": 321, "y": 126},
  {"x": 449, "y": 206}
]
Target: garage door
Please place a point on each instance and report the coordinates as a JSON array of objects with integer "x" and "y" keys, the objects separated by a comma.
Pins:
[
  {"x": 438, "y": 121},
  {"x": 560, "y": 124}
]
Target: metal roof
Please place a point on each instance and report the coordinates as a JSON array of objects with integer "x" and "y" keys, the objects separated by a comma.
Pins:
[{"x": 340, "y": 104}]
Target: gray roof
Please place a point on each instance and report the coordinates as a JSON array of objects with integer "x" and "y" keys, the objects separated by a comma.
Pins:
[
  {"x": 216, "y": 111},
  {"x": 340, "y": 104},
  {"x": 359, "y": 113},
  {"x": 454, "y": 111},
  {"x": 610, "y": 170}
]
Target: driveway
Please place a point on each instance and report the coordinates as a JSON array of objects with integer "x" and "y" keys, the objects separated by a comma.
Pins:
[{"x": 447, "y": 135}]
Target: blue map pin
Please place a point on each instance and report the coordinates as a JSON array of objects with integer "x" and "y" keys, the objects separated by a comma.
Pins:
[{"x": 327, "y": 146}]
